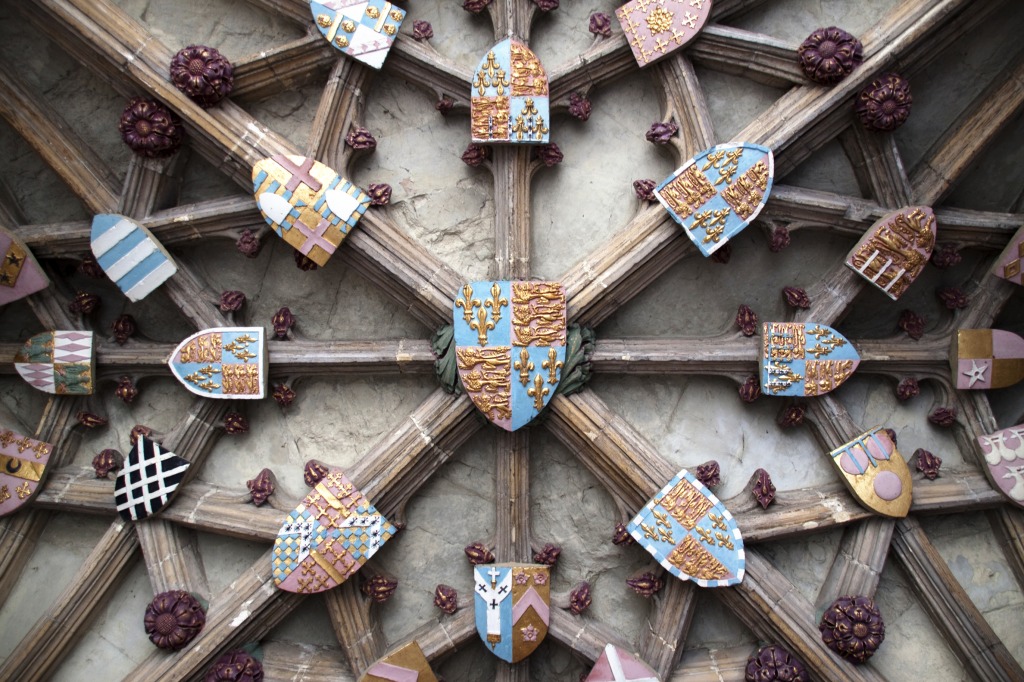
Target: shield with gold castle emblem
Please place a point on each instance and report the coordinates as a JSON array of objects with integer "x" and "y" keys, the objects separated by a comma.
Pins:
[
  {"x": 20, "y": 273},
  {"x": 510, "y": 347},
  {"x": 512, "y": 608},
  {"x": 1010, "y": 264},
  {"x": 22, "y": 468},
  {"x": 691, "y": 533},
  {"x": 987, "y": 358},
  {"x": 801, "y": 358},
  {"x": 223, "y": 362}
]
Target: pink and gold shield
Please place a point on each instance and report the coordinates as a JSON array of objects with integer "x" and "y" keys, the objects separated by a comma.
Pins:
[
  {"x": 987, "y": 358},
  {"x": 895, "y": 250},
  {"x": 874, "y": 471},
  {"x": 20, "y": 274},
  {"x": 1011, "y": 260},
  {"x": 618, "y": 665},
  {"x": 405, "y": 664},
  {"x": 22, "y": 468},
  {"x": 512, "y": 608},
  {"x": 1004, "y": 460}
]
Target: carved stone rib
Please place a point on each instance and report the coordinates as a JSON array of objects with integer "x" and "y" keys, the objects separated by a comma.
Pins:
[
  {"x": 283, "y": 68},
  {"x": 420, "y": 64},
  {"x": 583, "y": 635},
  {"x": 661, "y": 642},
  {"x": 512, "y": 525},
  {"x": 747, "y": 54},
  {"x": 683, "y": 101},
  {"x": 147, "y": 182},
  {"x": 194, "y": 298},
  {"x": 964, "y": 628},
  {"x": 1008, "y": 525},
  {"x": 878, "y": 166},
  {"x": 341, "y": 108},
  {"x": 356, "y": 625},
  {"x": 512, "y": 18},
  {"x": 296, "y": 10},
  {"x": 512, "y": 171},
  {"x": 601, "y": 63},
  {"x": 301, "y": 662},
  {"x": 11, "y": 213},
  {"x": 51, "y": 310}
]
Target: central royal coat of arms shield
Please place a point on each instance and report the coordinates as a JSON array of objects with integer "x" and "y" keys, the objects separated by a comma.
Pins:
[{"x": 512, "y": 608}]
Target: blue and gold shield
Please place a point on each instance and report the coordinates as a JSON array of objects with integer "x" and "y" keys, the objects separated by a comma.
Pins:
[
  {"x": 802, "y": 358},
  {"x": 510, "y": 96},
  {"x": 512, "y": 609},
  {"x": 510, "y": 347},
  {"x": 223, "y": 362},
  {"x": 691, "y": 533},
  {"x": 363, "y": 30}
]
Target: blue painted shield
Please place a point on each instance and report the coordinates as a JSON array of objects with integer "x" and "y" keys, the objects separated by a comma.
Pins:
[
  {"x": 363, "y": 30},
  {"x": 802, "y": 358},
  {"x": 510, "y": 347},
  {"x": 223, "y": 362},
  {"x": 512, "y": 609},
  {"x": 130, "y": 255},
  {"x": 510, "y": 96},
  {"x": 719, "y": 192},
  {"x": 691, "y": 533}
]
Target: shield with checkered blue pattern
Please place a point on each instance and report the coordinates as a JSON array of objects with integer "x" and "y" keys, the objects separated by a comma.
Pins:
[{"x": 363, "y": 30}]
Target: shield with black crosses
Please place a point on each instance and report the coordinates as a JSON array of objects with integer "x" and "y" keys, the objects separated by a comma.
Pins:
[{"x": 363, "y": 30}]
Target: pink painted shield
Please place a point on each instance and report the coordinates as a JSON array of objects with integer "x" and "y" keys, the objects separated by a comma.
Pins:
[
  {"x": 657, "y": 28},
  {"x": 1004, "y": 458},
  {"x": 20, "y": 274},
  {"x": 1011, "y": 261},
  {"x": 406, "y": 664},
  {"x": 987, "y": 358},
  {"x": 618, "y": 665},
  {"x": 22, "y": 469},
  {"x": 512, "y": 609},
  {"x": 895, "y": 250},
  {"x": 59, "y": 362}
]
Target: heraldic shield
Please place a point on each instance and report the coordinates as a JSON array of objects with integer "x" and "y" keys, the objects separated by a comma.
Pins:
[
  {"x": 510, "y": 96},
  {"x": 618, "y": 665},
  {"x": 512, "y": 608},
  {"x": 363, "y": 30},
  {"x": 405, "y": 664},
  {"x": 691, "y": 533},
  {"x": 893, "y": 252},
  {"x": 1009, "y": 264},
  {"x": 510, "y": 347},
  {"x": 987, "y": 358},
  {"x": 802, "y": 358},
  {"x": 328, "y": 537},
  {"x": 875, "y": 472},
  {"x": 223, "y": 362},
  {"x": 58, "y": 362},
  {"x": 1004, "y": 459},
  {"x": 20, "y": 274},
  {"x": 130, "y": 255},
  {"x": 22, "y": 468}
]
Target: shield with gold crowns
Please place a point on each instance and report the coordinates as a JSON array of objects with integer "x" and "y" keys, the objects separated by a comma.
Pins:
[
  {"x": 510, "y": 347},
  {"x": 22, "y": 468},
  {"x": 802, "y": 358},
  {"x": 511, "y": 602}
]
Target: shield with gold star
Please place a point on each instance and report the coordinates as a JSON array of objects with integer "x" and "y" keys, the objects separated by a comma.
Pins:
[
  {"x": 987, "y": 358},
  {"x": 874, "y": 471},
  {"x": 895, "y": 250},
  {"x": 510, "y": 96},
  {"x": 657, "y": 28},
  {"x": 804, "y": 359},
  {"x": 363, "y": 30},
  {"x": 511, "y": 602},
  {"x": 510, "y": 347},
  {"x": 20, "y": 274},
  {"x": 405, "y": 664},
  {"x": 1004, "y": 460},
  {"x": 223, "y": 362},
  {"x": 22, "y": 469},
  {"x": 59, "y": 362},
  {"x": 1010, "y": 264}
]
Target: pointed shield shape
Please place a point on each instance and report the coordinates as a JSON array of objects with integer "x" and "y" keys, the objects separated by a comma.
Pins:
[
  {"x": 406, "y": 664},
  {"x": 1008, "y": 265},
  {"x": 147, "y": 481},
  {"x": 657, "y": 29},
  {"x": 510, "y": 347},
  {"x": 895, "y": 249},
  {"x": 618, "y": 665},
  {"x": 22, "y": 469},
  {"x": 510, "y": 96},
  {"x": 987, "y": 358},
  {"x": 363, "y": 30},
  {"x": 803, "y": 358},
  {"x": 309, "y": 205},
  {"x": 1004, "y": 461},
  {"x": 511, "y": 602},
  {"x": 58, "y": 362},
  {"x": 718, "y": 192},
  {"x": 20, "y": 274},
  {"x": 875, "y": 473},
  {"x": 328, "y": 537},
  {"x": 223, "y": 362},
  {"x": 691, "y": 533},
  {"x": 130, "y": 255}
]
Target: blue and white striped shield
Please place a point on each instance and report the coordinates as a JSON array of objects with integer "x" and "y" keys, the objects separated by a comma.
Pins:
[{"x": 130, "y": 255}]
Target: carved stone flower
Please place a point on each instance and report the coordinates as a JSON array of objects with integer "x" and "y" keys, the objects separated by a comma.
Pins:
[
  {"x": 622, "y": 536},
  {"x": 829, "y": 55},
  {"x": 107, "y": 461},
  {"x": 422, "y": 30},
  {"x": 313, "y": 472},
  {"x": 90, "y": 420},
  {"x": 474, "y": 155},
  {"x": 780, "y": 239},
  {"x": 361, "y": 138},
  {"x": 444, "y": 105},
  {"x": 548, "y": 555},
  {"x": 943, "y": 416},
  {"x": 946, "y": 256},
  {"x": 262, "y": 487},
  {"x": 380, "y": 194},
  {"x": 126, "y": 390},
  {"x": 791, "y": 416},
  {"x": 283, "y": 321},
  {"x": 884, "y": 104},
  {"x": 304, "y": 263},
  {"x": 478, "y": 553},
  {"x": 84, "y": 303},
  {"x": 601, "y": 24},
  {"x": 912, "y": 323},
  {"x": 231, "y": 301},
  {"x": 853, "y": 628},
  {"x": 236, "y": 424},
  {"x": 908, "y": 388},
  {"x": 579, "y": 106},
  {"x": 796, "y": 297},
  {"x": 203, "y": 74},
  {"x": 927, "y": 463},
  {"x": 248, "y": 244},
  {"x": 123, "y": 328},
  {"x": 953, "y": 298},
  {"x": 446, "y": 599},
  {"x": 546, "y": 5},
  {"x": 661, "y": 133},
  {"x": 709, "y": 473},
  {"x": 475, "y": 6},
  {"x": 529, "y": 633},
  {"x": 173, "y": 619},
  {"x": 750, "y": 390},
  {"x": 139, "y": 430},
  {"x": 774, "y": 662},
  {"x": 283, "y": 394},
  {"x": 380, "y": 588},
  {"x": 763, "y": 488},
  {"x": 91, "y": 268},
  {"x": 550, "y": 155},
  {"x": 579, "y": 598},
  {"x": 746, "y": 320},
  {"x": 150, "y": 129},
  {"x": 646, "y": 584},
  {"x": 235, "y": 666},
  {"x": 645, "y": 189}
]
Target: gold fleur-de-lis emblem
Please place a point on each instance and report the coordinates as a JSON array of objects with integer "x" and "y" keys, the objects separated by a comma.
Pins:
[
  {"x": 537, "y": 392},
  {"x": 496, "y": 302},
  {"x": 467, "y": 303},
  {"x": 23, "y": 490},
  {"x": 491, "y": 75},
  {"x": 552, "y": 365},
  {"x": 524, "y": 366},
  {"x": 481, "y": 325}
]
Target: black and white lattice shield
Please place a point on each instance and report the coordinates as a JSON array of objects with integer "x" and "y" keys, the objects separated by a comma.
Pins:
[{"x": 148, "y": 480}]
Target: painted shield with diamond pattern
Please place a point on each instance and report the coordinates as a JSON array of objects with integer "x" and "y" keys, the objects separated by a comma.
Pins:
[
  {"x": 1004, "y": 459},
  {"x": 328, "y": 537},
  {"x": 22, "y": 468},
  {"x": 874, "y": 471},
  {"x": 309, "y": 205},
  {"x": 20, "y": 274},
  {"x": 512, "y": 608},
  {"x": 656, "y": 29},
  {"x": 363, "y": 30},
  {"x": 894, "y": 251},
  {"x": 719, "y": 192},
  {"x": 405, "y": 664},
  {"x": 691, "y": 533},
  {"x": 987, "y": 358},
  {"x": 59, "y": 362},
  {"x": 618, "y": 665},
  {"x": 223, "y": 362},
  {"x": 510, "y": 347},
  {"x": 1010, "y": 263},
  {"x": 510, "y": 96},
  {"x": 801, "y": 358}
]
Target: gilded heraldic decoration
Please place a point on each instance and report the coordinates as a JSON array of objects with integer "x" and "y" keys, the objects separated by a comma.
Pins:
[
  {"x": 406, "y": 664},
  {"x": 987, "y": 358},
  {"x": 804, "y": 359},
  {"x": 618, "y": 665},
  {"x": 512, "y": 607},
  {"x": 130, "y": 255},
  {"x": 1004, "y": 459},
  {"x": 147, "y": 481},
  {"x": 510, "y": 347},
  {"x": 309, "y": 205},
  {"x": 363, "y": 30},
  {"x": 20, "y": 274},
  {"x": 657, "y": 28},
  {"x": 328, "y": 537},
  {"x": 895, "y": 249},
  {"x": 510, "y": 96},
  {"x": 223, "y": 362},
  {"x": 22, "y": 468},
  {"x": 718, "y": 192},
  {"x": 691, "y": 533},
  {"x": 1010, "y": 261},
  {"x": 875, "y": 472},
  {"x": 59, "y": 362}
]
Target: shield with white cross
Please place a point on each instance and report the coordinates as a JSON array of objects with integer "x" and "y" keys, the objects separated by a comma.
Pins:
[
  {"x": 22, "y": 469},
  {"x": 511, "y": 602},
  {"x": 987, "y": 358}
]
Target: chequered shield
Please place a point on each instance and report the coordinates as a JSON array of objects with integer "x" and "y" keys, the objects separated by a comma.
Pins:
[
  {"x": 691, "y": 533},
  {"x": 802, "y": 358},
  {"x": 22, "y": 469},
  {"x": 874, "y": 471},
  {"x": 130, "y": 255},
  {"x": 510, "y": 347},
  {"x": 20, "y": 274},
  {"x": 363, "y": 30},
  {"x": 987, "y": 358},
  {"x": 657, "y": 28},
  {"x": 223, "y": 362},
  {"x": 309, "y": 205},
  {"x": 405, "y": 664},
  {"x": 718, "y": 192},
  {"x": 1004, "y": 459},
  {"x": 328, "y": 537},
  {"x": 893, "y": 252},
  {"x": 59, "y": 362},
  {"x": 147, "y": 481},
  {"x": 511, "y": 602},
  {"x": 618, "y": 665},
  {"x": 510, "y": 96},
  {"x": 1011, "y": 260}
]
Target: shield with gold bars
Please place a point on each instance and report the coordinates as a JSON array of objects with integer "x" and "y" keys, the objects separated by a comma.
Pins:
[
  {"x": 874, "y": 471},
  {"x": 1004, "y": 459},
  {"x": 512, "y": 609},
  {"x": 22, "y": 468},
  {"x": 691, "y": 533},
  {"x": 510, "y": 347},
  {"x": 363, "y": 30},
  {"x": 405, "y": 664},
  {"x": 986, "y": 358},
  {"x": 803, "y": 358},
  {"x": 223, "y": 362},
  {"x": 895, "y": 250}
]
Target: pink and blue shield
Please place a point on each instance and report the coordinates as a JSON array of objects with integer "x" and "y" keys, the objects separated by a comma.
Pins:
[
  {"x": 987, "y": 358},
  {"x": 59, "y": 362},
  {"x": 1010, "y": 262},
  {"x": 223, "y": 362},
  {"x": 20, "y": 274},
  {"x": 691, "y": 533},
  {"x": 363, "y": 30},
  {"x": 895, "y": 250},
  {"x": 618, "y": 665},
  {"x": 1004, "y": 459},
  {"x": 510, "y": 347},
  {"x": 510, "y": 96},
  {"x": 512, "y": 608},
  {"x": 22, "y": 469},
  {"x": 874, "y": 471},
  {"x": 804, "y": 359},
  {"x": 405, "y": 664}
]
